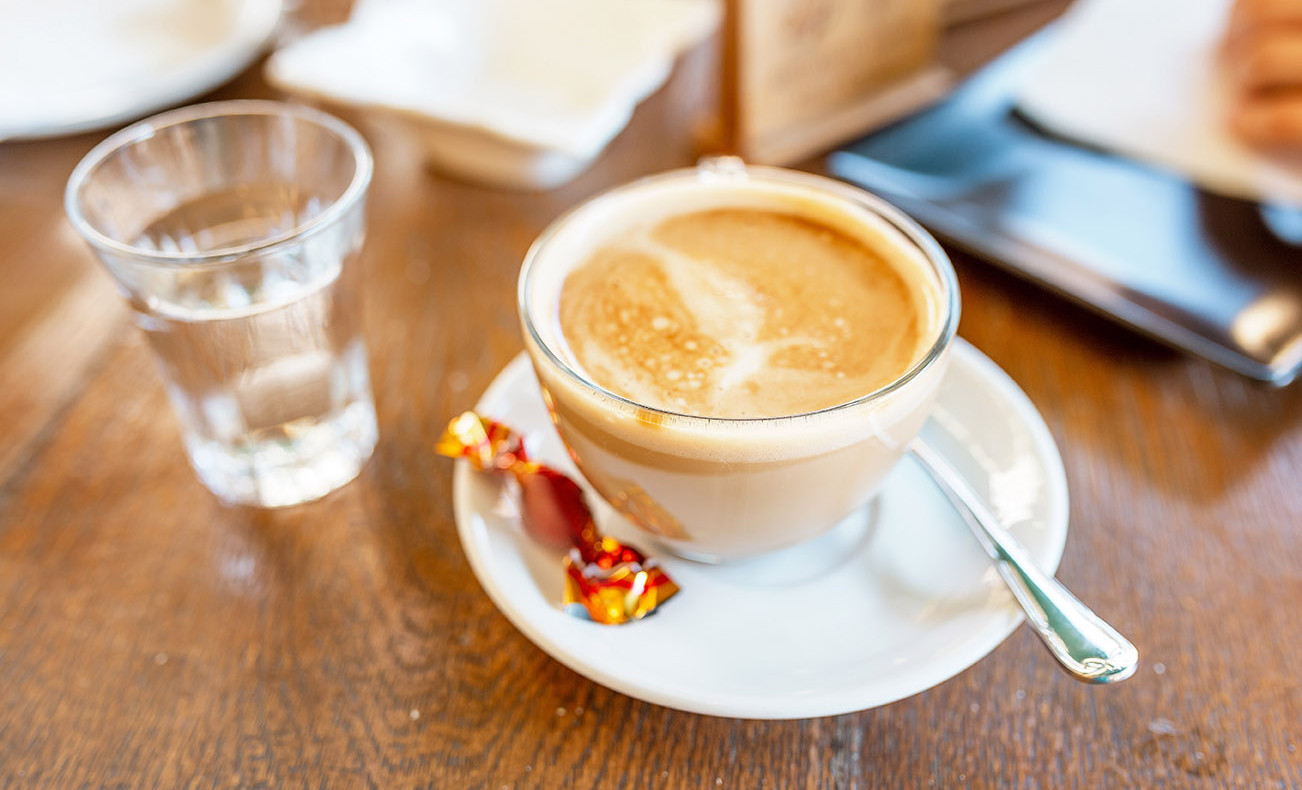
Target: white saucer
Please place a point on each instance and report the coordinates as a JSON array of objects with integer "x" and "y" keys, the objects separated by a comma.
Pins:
[
  {"x": 893, "y": 601},
  {"x": 70, "y": 66}
]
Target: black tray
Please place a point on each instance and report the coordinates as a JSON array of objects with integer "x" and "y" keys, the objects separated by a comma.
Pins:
[{"x": 1218, "y": 277}]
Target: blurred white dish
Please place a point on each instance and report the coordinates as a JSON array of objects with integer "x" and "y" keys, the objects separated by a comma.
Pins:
[
  {"x": 71, "y": 66},
  {"x": 1144, "y": 78},
  {"x": 520, "y": 93},
  {"x": 894, "y": 600}
]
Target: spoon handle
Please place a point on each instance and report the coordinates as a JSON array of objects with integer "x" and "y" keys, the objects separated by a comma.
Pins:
[{"x": 1086, "y": 646}]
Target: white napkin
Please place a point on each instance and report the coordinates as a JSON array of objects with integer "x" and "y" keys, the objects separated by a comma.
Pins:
[
  {"x": 560, "y": 76},
  {"x": 1144, "y": 79}
]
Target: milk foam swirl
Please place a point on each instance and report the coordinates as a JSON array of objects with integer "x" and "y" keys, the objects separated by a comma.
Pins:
[{"x": 742, "y": 312}]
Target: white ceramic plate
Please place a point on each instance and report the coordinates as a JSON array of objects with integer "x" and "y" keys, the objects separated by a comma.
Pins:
[
  {"x": 70, "y": 66},
  {"x": 893, "y": 601}
]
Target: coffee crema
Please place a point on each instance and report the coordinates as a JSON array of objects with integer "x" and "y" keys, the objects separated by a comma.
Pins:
[{"x": 743, "y": 312}]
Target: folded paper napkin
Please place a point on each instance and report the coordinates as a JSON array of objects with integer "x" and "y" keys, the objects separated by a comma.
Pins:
[
  {"x": 517, "y": 92},
  {"x": 1145, "y": 79}
]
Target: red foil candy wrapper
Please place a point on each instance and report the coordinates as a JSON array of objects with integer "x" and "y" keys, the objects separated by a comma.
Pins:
[{"x": 605, "y": 580}]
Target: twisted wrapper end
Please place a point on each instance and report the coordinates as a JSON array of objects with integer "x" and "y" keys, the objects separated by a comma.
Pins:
[{"x": 605, "y": 581}]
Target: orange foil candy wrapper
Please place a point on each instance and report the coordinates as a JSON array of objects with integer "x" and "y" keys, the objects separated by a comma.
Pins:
[{"x": 605, "y": 580}]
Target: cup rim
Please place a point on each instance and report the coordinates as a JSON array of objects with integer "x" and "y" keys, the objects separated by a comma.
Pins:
[
  {"x": 147, "y": 128},
  {"x": 732, "y": 168}
]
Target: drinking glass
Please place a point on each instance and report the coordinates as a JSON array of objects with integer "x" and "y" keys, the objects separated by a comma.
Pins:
[{"x": 233, "y": 230}]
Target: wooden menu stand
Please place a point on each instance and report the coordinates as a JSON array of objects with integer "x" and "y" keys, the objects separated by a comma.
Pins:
[{"x": 799, "y": 76}]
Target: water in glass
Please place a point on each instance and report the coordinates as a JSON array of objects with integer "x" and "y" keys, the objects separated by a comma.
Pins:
[{"x": 263, "y": 360}]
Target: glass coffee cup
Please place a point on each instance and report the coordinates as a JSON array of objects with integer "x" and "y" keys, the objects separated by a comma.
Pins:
[{"x": 715, "y": 482}]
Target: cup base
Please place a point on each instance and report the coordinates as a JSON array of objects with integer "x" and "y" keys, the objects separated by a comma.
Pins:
[{"x": 798, "y": 564}]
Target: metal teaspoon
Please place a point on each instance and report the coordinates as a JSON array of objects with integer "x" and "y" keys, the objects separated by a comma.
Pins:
[{"x": 1087, "y": 647}]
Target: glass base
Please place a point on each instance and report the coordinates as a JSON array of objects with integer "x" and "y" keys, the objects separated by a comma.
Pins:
[{"x": 292, "y": 464}]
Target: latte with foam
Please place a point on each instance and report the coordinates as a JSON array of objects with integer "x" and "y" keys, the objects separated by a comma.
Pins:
[
  {"x": 742, "y": 313},
  {"x": 736, "y": 362}
]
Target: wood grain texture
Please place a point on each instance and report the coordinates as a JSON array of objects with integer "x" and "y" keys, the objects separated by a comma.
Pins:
[{"x": 150, "y": 637}]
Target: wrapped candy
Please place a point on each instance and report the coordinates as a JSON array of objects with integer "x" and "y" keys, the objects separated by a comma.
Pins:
[{"x": 605, "y": 580}]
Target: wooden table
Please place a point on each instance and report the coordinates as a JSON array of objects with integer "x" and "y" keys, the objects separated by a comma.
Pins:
[{"x": 150, "y": 637}]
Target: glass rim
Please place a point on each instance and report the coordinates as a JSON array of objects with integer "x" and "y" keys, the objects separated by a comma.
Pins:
[
  {"x": 147, "y": 128},
  {"x": 912, "y": 231}
]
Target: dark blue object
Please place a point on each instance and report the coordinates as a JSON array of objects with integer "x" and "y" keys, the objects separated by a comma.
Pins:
[{"x": 1218, "y": 277}]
